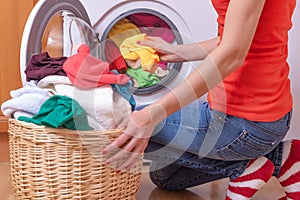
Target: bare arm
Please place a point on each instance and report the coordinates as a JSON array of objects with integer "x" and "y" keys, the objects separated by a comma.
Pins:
[
  {"x": 183, "y": 52},
  {"x": 240, "y": 26},
  {"x": 199, "y": 50}
]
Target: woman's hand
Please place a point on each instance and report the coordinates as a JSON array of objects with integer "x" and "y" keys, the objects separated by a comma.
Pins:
[
  {"x": 133, "y": 141},
  {"x": 180, "y": 52},
  {"x": 167, "y": 52}
]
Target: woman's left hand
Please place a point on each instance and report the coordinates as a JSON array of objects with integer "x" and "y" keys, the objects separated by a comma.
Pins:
[{"x": 130, "y": 145}]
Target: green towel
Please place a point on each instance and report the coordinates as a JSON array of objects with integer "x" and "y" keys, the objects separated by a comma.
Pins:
[{"x": 60, "y": 111}]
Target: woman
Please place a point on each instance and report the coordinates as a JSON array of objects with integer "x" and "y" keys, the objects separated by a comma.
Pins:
[{"x": 238, "y": 132}]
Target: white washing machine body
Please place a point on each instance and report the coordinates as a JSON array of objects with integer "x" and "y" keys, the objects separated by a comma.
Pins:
[{"x": 193, "y": 21}]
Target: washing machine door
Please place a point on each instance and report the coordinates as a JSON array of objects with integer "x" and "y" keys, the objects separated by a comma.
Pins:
[
  {"x": 59, "y": 28},
  {"x": 117, "y": 20}
]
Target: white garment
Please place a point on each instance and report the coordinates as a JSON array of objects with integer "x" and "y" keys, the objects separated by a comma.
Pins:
[
  {"x": 104, "y": 107},
  {"x": 26, "y": 101}
]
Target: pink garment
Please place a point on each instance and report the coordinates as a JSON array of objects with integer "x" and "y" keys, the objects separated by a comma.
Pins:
[
  {"x": 114, "y": 57},
  {"x": 152, "y": 26},
  {"x": 86, "y": 71}
]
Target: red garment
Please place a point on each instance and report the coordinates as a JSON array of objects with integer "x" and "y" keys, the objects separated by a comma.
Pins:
[
  {"x": 114, "y": 57},
  {"x": 260, "y": 89},
  {"x": 86, "y": 71}
]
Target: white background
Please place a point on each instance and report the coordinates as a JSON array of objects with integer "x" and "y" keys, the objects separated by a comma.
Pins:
[{"x": 294, "y": 61}]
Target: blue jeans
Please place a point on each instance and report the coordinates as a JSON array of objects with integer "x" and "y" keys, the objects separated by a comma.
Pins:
[{"x": 197, "y": 145}]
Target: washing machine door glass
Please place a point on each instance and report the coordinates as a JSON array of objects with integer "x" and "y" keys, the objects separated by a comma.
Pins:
[
  {"x": 58, "y": 28},
  {"x": 65, "y": 32},
  {"x": 120, "y": 46}
]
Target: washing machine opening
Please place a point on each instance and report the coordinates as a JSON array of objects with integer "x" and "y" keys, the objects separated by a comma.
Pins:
[
  {"x": 121, "y": 51},
  {"x": 65, "y": 32}
]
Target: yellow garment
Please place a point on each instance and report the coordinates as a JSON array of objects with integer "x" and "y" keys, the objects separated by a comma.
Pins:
[
  {"x": 130, "y": 50},
  {"x": 122, "y": 30}
]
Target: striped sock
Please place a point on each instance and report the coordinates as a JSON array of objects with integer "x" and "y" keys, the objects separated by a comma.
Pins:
[
  {"x": 257, "y": 173},
  {"x": 289, "y": 176}
]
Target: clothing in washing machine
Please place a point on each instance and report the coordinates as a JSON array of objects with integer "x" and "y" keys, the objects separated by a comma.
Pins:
[{"x": 124, "y": 33}]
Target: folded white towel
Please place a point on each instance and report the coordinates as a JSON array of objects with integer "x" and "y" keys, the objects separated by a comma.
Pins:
[{"x": 26, "y": 101}]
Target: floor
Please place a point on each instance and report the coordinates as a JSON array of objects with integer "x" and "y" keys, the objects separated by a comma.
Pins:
[{"x": 211, "y": 191}]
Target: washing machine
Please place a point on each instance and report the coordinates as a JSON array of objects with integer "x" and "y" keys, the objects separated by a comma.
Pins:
[{"x": 59, "y": 26}]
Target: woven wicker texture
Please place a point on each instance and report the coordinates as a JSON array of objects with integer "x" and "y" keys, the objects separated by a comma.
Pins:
[{"x": 49, "y": 163}]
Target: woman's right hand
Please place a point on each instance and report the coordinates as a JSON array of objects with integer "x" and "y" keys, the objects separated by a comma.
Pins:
[
  {"x": 167, "y": 52},
  {"x": 180, "y": 52}
]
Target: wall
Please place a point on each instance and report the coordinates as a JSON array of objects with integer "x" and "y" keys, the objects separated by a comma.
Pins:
[
  {"x": 294, "y": 61},
  {"x": 13, "y": 15}
]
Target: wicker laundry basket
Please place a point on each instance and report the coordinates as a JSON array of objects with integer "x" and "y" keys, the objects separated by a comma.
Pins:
[{"x": 48, "y": 163}]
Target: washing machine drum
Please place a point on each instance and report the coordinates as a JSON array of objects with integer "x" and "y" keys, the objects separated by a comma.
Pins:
[
  {"x": 60, "y": 27},
  {"x": 119, "y": 40}
]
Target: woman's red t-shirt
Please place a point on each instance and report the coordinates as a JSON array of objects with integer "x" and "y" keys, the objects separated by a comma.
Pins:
[{"x": 260, "y": 89}]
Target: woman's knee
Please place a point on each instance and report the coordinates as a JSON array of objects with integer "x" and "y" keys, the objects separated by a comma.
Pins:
[
  {"x": 163, "y": 183},
  {"x": 162, "y": 175}
]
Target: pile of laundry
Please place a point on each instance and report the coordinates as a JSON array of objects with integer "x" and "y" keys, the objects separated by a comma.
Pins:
[
  {"x": 79, "y": 93},
  {"x": 141, "y": 63}
]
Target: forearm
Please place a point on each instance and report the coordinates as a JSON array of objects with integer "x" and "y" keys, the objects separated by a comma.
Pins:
[
  {"x": 241, "y": 22},
  {"x": 210, "y": 72},
  {"x": 197, "y": 51},
  {"x": 204, "y": 77}
]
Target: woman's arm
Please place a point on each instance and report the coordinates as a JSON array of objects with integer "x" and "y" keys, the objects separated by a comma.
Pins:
[
  {"x": 183, "y": 52},
  {"x": 240, "y": 25}
]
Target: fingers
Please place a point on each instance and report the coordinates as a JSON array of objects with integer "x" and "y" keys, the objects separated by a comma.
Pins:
[
  {"x": 168, "y": 58},
  {"x": 132, "y": 157},
  {"x": 151, "y": 38},
  {"x": 125, "y": 148},
  {"x": 146, "y": 43},
  {"x": 123, "y": 152},
  {"x": 150, "y": 41},
  {"x": 120, "y": 141},
  {"x": 129, "y": 146},
  {"x": 130, "y": 162}
]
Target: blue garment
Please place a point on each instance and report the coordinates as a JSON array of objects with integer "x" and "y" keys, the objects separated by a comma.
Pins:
[
  {"x": 197, "y": 145},
  {"x": 125, "y": 91}
]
